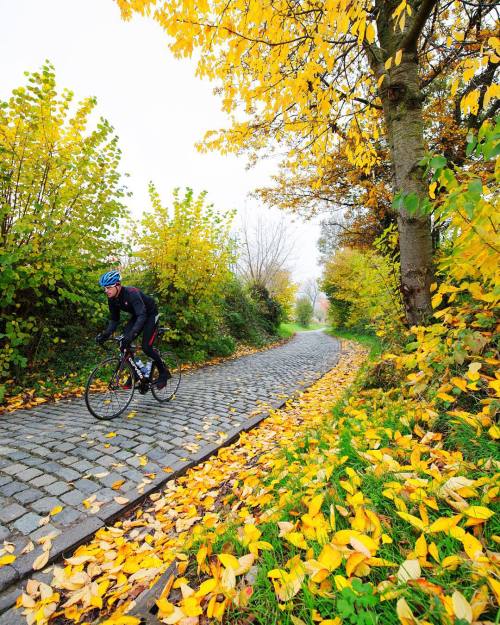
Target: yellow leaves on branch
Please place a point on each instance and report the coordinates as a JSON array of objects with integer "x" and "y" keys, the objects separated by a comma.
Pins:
[{"x": 187, "y": 246}]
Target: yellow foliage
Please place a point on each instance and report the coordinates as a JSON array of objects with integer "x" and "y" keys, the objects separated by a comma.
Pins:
[
  {"x": 188, "y": 248},
  {"x": 363, "y": 290}
]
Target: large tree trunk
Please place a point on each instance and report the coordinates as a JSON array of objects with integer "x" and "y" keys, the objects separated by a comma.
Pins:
[
  {"x": 402, "y": 104},
  {"x": 403, "y": 114}
]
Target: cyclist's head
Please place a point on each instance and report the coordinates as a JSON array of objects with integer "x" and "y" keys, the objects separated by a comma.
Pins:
[{"x": 110, "y": 278}]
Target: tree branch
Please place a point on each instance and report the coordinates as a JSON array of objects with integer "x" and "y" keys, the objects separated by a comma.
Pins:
[{"x": 409, "y": 43}]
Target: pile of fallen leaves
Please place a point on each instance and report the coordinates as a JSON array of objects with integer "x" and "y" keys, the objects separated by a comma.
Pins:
[{"x": 367, "y": 515}]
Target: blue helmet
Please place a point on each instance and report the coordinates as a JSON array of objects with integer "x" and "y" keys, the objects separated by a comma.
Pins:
[{"x": 110, "y": 278}]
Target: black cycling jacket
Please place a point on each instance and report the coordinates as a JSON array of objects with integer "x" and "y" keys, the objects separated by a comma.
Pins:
[{"x": 135, "y": 302}]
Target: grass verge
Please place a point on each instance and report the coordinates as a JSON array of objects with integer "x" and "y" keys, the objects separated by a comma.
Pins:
[
  {"x": 289, "y": 329},
  {"x": 370, "y": 341}
]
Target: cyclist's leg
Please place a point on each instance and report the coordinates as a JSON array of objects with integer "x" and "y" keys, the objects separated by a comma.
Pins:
[
  {"x": 126, "y": 329},
  {"x": 149, "y": 333}
]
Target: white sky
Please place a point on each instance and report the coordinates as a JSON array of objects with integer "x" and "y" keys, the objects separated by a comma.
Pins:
[{"x": 159, "y": 109}]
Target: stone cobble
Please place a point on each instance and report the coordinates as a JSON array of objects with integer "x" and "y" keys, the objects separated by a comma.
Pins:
[{"x": 59, "y": 455}]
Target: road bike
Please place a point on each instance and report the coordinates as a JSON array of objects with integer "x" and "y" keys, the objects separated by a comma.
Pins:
[{"x": 112, "y": 384}]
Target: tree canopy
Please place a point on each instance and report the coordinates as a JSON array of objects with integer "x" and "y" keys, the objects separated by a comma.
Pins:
[{"x": 316, "y": 77}]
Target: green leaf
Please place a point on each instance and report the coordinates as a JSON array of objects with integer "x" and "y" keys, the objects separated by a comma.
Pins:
[
  {"x": 411, "y": 202},
  {"x": 471, "y": 144},
  {"x": 398, "y": 202},
  {"x": 475, "y": 188},
  {"x": 438, "y": 162}
]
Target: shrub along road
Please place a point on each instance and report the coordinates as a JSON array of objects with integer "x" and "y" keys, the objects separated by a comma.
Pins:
[{"x": 64, "y": 474}]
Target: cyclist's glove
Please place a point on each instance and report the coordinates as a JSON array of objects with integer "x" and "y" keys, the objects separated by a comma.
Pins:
[
  {"x": 125, "y": 341},
  {"x": 100, "y": 338}
]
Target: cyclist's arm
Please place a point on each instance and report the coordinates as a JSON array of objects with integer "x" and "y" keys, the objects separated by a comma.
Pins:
[
  {"x": 114, "y": 319},
  {"x": 139, "y": 312}
]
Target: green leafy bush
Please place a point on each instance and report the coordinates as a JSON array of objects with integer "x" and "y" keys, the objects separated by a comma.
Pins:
[
  {"x": 61, "y": 202},
  {"x": 303, "y": 312}
]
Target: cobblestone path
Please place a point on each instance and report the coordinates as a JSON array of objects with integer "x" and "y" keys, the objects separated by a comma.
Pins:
[{"x": 59, "y": 455}]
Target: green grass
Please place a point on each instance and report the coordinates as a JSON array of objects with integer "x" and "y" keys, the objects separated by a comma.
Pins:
[
  {"x": 289, "y": 329},
  {"x": 370, "y": 341}
]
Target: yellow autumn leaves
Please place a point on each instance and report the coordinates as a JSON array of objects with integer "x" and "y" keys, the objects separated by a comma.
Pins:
[{"x": 306, "y": 503}]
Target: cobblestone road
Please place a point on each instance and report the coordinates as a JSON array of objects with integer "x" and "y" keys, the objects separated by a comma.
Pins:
[{"x": 59, "y": 455}]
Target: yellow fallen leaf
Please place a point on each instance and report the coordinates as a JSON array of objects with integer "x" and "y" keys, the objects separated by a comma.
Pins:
[
  {"x": 55, "y": 510},
  {"x": 444, "y": 524},
  {"x": 229, "y": 561},
  {"x": 364, "y": 544},
  {"x": 495, "y": 587},
  {"x": 354, "y": 560},
  {"x": 410, "y": 569},
  {"x": 451, "y": 562},
  {"x": 494, "y": 432},
  {"x": 473, "y": 548},
  {"x": 110, "y": 435},
  {"x": 330, "y": 558},
  {"x": 315, "y": 505},
  {"x": 122, "y": 619},
  {"x": 296, "y": 539},
  {"x": 478, "y": 512},
  {"x": 461, "y": 607},
  {"x": 206, "y": 587},
  {"x": 143, "y": 460},
  {"x": 89, "y": 501},
  {"x": 413, "y": 520},
  {"x": 404, "y": 613},
  {"x": 8, "y": 559},
  {"x": 41, "y": 561},
  {"x": 118, "y": 484}
]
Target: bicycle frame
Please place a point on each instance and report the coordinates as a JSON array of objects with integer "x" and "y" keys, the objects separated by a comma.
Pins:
[{"x": 128, "y": 356}]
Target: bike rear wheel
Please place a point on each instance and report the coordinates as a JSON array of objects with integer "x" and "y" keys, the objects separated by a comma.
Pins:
[
  {"x": 173, "y": 365},
  {"x": 109, "y": 389}
]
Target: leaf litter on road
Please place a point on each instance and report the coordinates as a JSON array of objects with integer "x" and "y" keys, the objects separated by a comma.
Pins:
[{"x": 357, "y": 502}]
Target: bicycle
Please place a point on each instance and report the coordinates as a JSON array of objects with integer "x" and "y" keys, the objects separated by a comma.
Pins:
[{"x": 112, "y": 384}]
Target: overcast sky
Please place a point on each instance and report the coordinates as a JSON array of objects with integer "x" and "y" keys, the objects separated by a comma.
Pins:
[{"x": 157, "y": 106}]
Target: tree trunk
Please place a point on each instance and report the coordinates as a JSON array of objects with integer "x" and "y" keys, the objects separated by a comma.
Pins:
[
  {"x": 403, "y": 113},
  {"x": 402, "y": 103}
]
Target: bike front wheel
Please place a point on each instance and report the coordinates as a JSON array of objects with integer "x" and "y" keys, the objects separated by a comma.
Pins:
[
  {"x": 109, "y": 389},
  {"x": 168, "y": 391}
]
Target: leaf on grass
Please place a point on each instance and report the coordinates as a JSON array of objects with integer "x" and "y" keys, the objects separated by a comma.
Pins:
[
  {"x": 478, "y": 512},
  {"x": 404, "y": 613},
  {"x": 296, "y": 539},
  {"x": 461, "y": 606},
  {"x": 410, "y": 569},
  {"x": 413, "y": 520}
]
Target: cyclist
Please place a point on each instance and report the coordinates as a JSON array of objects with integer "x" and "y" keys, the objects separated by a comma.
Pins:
[{"x": 144, "y": 318}]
